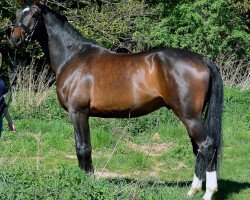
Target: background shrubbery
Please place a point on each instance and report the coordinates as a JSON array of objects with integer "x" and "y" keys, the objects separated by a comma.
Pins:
[{"x": 207, "y": 27}]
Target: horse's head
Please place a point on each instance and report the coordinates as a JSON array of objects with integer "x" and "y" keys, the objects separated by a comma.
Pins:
[{"x": 27, "y": 21}]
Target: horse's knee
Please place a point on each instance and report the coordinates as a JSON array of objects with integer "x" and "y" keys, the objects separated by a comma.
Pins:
[{"x": 83, "y": 151}]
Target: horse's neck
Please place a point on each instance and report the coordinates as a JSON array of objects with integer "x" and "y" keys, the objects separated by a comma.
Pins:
[
  {"x": 63, "y": 41},
  {"x": 42, "y": 38}
]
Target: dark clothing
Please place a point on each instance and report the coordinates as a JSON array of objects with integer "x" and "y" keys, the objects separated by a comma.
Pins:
[
  {"x": 2, "y": 92},
  {"x": 2, "y": 103}
]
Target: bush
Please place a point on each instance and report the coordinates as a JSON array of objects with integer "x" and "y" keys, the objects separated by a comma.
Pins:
[
  {"x": 206, "y": 27},
  {"x": 111, "y": 26}
]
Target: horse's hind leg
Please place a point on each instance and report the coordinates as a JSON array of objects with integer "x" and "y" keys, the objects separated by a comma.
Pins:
[
  {"x": 82, "y": 139},
  {"x": 198, "y": 135},
  {"x": 197, "y": 182},
  {"x": 208, "y": 151},
  {"x": 205, "y": 152}
]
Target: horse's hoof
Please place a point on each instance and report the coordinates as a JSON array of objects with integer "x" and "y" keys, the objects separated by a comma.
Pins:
[
  {"x": 209, "y": 193},
  {"x": 193, "y": 191}
]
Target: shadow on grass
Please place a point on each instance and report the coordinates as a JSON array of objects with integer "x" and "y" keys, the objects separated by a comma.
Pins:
[
  {"x": 226, "y": 187},
  {"x": 142, "y": 184}
]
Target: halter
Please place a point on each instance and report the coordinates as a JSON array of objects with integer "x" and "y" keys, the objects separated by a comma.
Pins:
[{"x": 28, "y": 31}]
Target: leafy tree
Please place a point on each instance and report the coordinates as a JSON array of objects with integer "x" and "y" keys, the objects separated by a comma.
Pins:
[
  {"x": 110, "y": 25},
  {"x": 209, "y": 27},
  {"x": 7, "y": 13}
]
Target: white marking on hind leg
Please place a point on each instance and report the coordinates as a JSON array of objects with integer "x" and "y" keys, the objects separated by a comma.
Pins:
[
  {"x": 211, "y": 185},
  {"x": 195, "y": 187}
]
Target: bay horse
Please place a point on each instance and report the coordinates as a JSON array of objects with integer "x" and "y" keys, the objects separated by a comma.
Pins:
[{"x": 92, "y": 81}]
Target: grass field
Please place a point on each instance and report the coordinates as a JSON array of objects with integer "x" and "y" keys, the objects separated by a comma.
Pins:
[{"x": 143, "y": 158}]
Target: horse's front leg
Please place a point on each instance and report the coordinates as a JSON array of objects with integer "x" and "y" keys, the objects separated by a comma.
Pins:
[{"x": 80, "y": 120}]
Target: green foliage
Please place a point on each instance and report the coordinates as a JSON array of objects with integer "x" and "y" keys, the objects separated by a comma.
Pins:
[
  {"x": 7, "y": 14},
  {"x": 69, "y": 183},
  {"x": 125, "y": 160},
  {"x": 65, "y": 184},
  {"x": 236, "y": 106},
  {"x": 102, "y": 140},
  {"x": 207, "y": 27},
  {"x": 111, "y": 26},
  {"x": 244, "y": 5}
]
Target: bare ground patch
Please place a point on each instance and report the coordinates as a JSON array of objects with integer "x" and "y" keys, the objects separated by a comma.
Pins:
[
  {"x": 71, "y": 157},
  {"x": 105, "y": 173},
  {"x": 150, "y": 149}
]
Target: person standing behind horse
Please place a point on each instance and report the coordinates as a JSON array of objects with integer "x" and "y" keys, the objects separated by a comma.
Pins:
[{"x": 3, "y": 107}]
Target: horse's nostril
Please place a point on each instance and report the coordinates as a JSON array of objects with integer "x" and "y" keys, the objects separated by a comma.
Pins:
[{"x": 16, "y": 40}]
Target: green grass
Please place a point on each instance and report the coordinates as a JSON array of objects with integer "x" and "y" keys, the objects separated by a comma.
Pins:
[{"x": 38, "y": 161}]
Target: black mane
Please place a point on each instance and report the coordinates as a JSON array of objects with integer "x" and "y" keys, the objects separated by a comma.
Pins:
[{"x": 70, "y": 33}]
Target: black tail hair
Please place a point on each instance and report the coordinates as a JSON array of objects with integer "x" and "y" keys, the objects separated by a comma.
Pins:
[{"x": 213, "y": 118}]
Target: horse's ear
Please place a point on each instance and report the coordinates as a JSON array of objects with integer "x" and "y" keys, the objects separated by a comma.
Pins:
[
  {"x": 21, "y": 2},
  {"x": 36, "y": 2}
]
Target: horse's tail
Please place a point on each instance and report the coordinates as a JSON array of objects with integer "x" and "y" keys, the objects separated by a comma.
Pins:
[{"x": 213, "y": 118}]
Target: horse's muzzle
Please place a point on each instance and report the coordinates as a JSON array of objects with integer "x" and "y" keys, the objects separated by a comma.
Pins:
[{"x": 17, "y": 37}]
